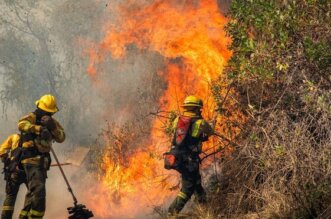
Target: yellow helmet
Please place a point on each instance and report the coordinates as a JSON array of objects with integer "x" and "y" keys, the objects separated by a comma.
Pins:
[
  {"x": 192, "y": 101},
  {"x": 47, "y": 103}
]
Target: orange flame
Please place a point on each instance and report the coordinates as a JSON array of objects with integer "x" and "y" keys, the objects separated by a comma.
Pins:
[{"x": 192, "y": 40}]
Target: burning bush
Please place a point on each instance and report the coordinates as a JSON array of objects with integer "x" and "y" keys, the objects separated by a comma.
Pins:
[
  {"x": 272, "y": 102},
  {"x": 191, "y": 40}
]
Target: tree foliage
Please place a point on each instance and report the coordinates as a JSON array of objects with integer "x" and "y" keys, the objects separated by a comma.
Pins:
[
  {"x": 284, "y": 48},
  {"x": 281, "y": 67}
]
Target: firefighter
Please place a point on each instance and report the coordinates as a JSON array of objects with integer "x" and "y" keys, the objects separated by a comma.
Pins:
[
  {"x": 190, "y": 131},
  {"x": 14, "y": 176},
  {"x": 38, "y": 131}
]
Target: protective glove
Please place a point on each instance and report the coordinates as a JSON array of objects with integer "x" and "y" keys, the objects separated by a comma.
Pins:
[
  {"x": 45, "y": 134},
  {"x": 48, "y": 122}
]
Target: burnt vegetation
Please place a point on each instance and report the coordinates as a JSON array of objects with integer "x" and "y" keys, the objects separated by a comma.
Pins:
[{"x": 280, "y": 67}]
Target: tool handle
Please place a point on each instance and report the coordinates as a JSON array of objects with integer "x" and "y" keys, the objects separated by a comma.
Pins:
[
  {"x": 64, "y": 176},
  {"x": 62, "y": 164}
]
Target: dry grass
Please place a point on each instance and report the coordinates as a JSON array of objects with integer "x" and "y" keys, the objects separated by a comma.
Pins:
[
  {"x": 283, "y": 168},
  {"x": 282, "y": 171}
]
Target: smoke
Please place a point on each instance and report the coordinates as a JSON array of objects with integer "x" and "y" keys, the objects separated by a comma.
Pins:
[
  {"x": 55, "y": 61},
  {"x": 53, "y": 49}
]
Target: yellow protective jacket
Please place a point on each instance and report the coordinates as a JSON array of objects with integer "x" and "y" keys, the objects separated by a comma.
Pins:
[
  {"x": 27, "y": 125},
  {"x": 9, "y": 144},
  {"x": 30, "y": 132}
]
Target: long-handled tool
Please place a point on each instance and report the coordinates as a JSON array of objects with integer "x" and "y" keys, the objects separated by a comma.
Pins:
[
  {"x": 78, "y": 211},
  {"x": 61, "y": 164}
]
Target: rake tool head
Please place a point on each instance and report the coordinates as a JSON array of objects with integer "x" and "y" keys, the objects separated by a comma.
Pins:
[{"x": 79, "y": 211}]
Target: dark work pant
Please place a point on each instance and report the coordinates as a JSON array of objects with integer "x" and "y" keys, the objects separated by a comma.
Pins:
[
  {"x": 12, "y": 187},
  {"x": 35, "y": 201},
  {"x": 191, "y": 184}
]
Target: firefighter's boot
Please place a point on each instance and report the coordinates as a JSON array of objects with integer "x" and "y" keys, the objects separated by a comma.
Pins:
[
  {"x": 178, "y": 204},
  {"x": 200, "y": 194}
]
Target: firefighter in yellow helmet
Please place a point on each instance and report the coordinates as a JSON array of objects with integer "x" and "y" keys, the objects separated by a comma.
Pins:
[
  {"x": 38, "y": 130},
  {"x": 190, "y": 130},
  {"x": 14, "y": 176}
]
